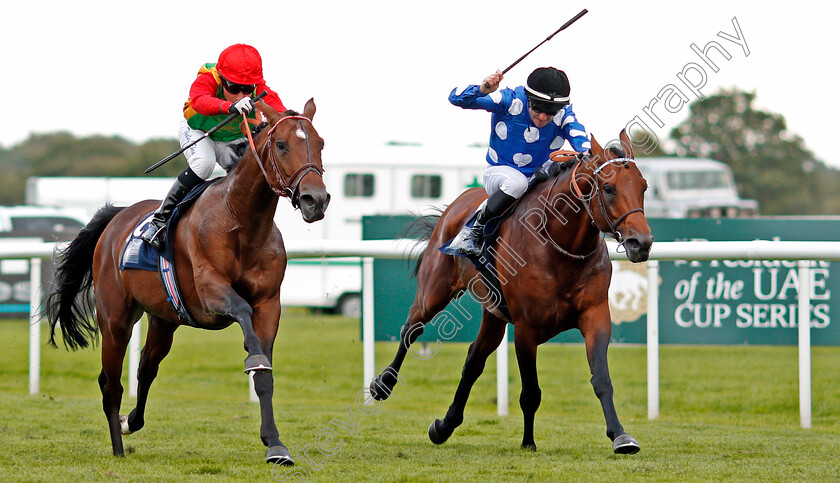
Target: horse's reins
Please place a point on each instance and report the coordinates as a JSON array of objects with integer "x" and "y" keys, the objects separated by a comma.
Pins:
[
  {"x": 286, "y": 188},
  {"x": 548, "y": 235},
  {"x": 612, "y": 224}
]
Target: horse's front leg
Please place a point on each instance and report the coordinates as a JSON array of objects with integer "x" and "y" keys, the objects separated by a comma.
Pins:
[
  {"x": 266, "y": 320},
  {"x": 219, "y": 298},
  {"x": 596, "y": 328}
]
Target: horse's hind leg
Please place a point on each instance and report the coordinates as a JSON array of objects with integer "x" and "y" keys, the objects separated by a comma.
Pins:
[
  {"x": 595, "y": 328},
  {"x": 489, "y": 336},
  {"x": 436, "y": 286},
  {"x": 531, "y": 395},
  {"x": 158, "y": 343},
  {"x": 114, "y": 342}
]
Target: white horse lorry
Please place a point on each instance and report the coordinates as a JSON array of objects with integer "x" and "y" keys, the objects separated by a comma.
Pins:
[
  {"x": 692, "y": 188},
  {"x": 398, "y": 179}
]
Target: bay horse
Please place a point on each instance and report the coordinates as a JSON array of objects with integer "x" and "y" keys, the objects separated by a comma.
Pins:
[
  {"x": 229, "y": 263},
  {"x": 553, "y": 270}
]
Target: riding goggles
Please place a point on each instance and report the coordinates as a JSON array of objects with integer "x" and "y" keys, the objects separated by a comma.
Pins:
[{"x": 237, "y": 88}]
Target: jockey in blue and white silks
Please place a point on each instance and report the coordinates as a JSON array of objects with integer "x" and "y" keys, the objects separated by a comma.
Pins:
[{"x": 528, "y": 123}]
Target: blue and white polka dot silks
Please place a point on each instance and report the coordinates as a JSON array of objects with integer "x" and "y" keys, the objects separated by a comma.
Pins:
[{"x": 514, "y": 140}]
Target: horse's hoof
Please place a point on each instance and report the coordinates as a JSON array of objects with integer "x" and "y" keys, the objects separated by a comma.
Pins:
[
  {"x": 529, "y": 446},
  {"x": 438, "y": 433},
  {"x": 625, "y": 444},
  {"x": 257, "y": 362},
  {"x": 278, "y": 455},
  {"x": 124, "y": 425},
  {"x": 378, "y": 389}
]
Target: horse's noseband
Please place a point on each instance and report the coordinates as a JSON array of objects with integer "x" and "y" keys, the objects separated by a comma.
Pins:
[{"x": 288, "y": 187}]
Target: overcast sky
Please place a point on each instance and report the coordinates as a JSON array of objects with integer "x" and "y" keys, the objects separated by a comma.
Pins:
[{"x": 382, "y": 70}]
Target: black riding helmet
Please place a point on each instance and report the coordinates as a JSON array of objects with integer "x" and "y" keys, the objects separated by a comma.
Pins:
[{"x": 547, "y": 89}]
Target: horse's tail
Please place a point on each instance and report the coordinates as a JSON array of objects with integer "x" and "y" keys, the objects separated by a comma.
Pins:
[
  {"x": 421, "y": 229},
  {"x": 70, "y": 304}
]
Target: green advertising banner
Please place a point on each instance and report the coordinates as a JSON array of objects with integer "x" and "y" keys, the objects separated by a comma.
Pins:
[{"x": 708, "y": 302}]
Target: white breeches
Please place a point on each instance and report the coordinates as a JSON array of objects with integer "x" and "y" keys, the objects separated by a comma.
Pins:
[
  {"x": 203, "y": 155},
  {"x": 505, "y": 178}
]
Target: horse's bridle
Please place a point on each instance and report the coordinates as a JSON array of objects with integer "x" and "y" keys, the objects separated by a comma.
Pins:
[
  {"x": 613, "y": 225},
  {"x": 287, "y": 188}
]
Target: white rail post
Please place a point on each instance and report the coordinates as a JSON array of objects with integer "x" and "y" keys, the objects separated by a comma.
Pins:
[
  {"x": 134, "y": 357},
  {"x": 367, "y": 321},
  {"x": 502, "y": 376},
  {"x": 252, "y": 388},
  {"x": 34, "y": 326},
  {"x": 804, "y": 323},
  {"x": 653, "y": 338}
]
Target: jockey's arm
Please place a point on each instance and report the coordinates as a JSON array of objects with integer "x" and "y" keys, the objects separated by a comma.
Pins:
[
  {"x": 573, "y": 131},
  {"x": 203, "y": 97},
  {"x": 471, "y": 97}
]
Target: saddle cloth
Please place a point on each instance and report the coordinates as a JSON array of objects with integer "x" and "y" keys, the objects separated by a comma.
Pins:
[
  {"x": 139, "y": 255},
  {"x": 484, "y": 263}
]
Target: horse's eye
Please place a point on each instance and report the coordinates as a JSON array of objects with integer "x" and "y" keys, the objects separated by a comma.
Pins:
[
  {"x": 609, "y": 189},
  {"x": 281, "y": 146}
]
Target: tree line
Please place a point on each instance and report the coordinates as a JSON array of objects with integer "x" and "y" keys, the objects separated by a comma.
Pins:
[{"x": 771, "y": 164}]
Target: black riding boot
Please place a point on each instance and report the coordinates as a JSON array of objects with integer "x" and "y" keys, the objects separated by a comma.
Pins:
[
  {"x": 154, "y": 233},
  {"x": 497, "y": 204}
]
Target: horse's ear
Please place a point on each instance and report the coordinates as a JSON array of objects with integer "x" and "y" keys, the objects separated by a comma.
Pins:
[
  {"x": 596, "y": 148},
  {"x": 270, "y": 112},
  {"x": 626, "y": 144},
  {"x": 309, "y": 109}
]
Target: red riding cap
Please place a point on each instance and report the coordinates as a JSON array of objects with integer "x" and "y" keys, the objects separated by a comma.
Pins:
[{"x": 240, "y": 64}]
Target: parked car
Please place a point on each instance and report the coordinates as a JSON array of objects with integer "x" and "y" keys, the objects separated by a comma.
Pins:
[
  {"x": 40, "y": 222},
  {"x": 31, "y": 223}
]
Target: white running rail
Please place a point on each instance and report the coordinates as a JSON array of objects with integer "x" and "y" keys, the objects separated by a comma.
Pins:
[{"x": 803, "y": 251}]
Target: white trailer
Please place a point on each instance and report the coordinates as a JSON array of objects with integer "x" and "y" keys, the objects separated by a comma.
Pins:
[{"x": 393, "y": 179}]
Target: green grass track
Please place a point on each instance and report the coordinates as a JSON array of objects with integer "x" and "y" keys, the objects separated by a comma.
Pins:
[{"x": 727, "y": 413}]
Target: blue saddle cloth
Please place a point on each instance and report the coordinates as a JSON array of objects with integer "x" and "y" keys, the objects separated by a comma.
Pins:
[
  {"x": 484, "y": 263},
  {"x": 491, "y": 229},
  {"x": 137, "y": 254}
]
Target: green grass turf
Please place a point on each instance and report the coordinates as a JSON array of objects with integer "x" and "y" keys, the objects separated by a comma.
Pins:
[{"x": 728, "y": 413}]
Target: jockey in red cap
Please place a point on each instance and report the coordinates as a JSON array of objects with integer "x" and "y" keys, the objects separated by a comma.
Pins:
[{"x": 221, "y": 88}]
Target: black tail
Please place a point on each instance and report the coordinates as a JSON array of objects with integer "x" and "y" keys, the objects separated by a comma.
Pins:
[
  {"x": 70, "y": 304},
  {"x": 421, "y": 229}
]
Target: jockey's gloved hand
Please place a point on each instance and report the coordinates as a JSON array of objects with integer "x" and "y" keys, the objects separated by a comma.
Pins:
[{"x": 242, "y": 106}]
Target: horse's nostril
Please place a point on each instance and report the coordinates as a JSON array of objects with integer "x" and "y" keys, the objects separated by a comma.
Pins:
[
  {"x": 307, "y": 200},
  {"x": 633, "y": 244}
]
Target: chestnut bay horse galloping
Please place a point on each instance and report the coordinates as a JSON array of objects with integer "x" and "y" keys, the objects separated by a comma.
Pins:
[
  {"x": 229, "y": 263},
  {"x": 553, "y": 271}
]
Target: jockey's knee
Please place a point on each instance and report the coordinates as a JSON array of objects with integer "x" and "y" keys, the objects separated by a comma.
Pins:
[{"x": 515, "y": 186}]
